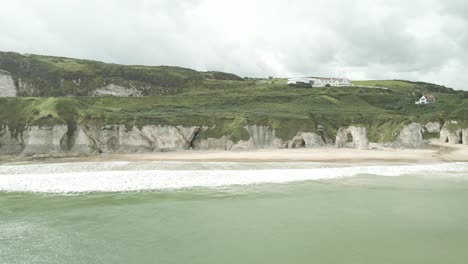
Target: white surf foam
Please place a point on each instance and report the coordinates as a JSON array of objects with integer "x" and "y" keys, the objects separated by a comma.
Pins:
[{"x": 57, "y": 181}]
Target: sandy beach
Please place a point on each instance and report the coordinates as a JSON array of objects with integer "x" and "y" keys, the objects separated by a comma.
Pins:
[{"x": 435, "y": 152}]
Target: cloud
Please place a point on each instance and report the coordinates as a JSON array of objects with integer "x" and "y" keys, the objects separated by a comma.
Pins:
[{"x": 362, "y": 39}]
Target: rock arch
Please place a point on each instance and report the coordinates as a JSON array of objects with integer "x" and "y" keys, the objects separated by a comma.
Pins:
[
  {"x": 297, "y": 143},
  {"x": 358, "y": 134},
  {"x": 306, "y": 140},
  {"x": 452, "y": 137}
]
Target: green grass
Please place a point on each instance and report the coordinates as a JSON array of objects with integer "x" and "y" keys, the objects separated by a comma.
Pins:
[
  {"x": 225, "y": 109},
  {"x": 384, "y": 83},
  {"x": 223, "y": 102}
]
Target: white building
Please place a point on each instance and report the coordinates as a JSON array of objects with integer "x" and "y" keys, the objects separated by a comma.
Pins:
[
  {"x": 320, "y": 82},
  {"x": 298, "y": 81},
  {"x": 426, "y": 99}
]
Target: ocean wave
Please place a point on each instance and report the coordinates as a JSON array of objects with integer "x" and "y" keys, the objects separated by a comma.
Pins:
[{"x": 64, "y": 178}]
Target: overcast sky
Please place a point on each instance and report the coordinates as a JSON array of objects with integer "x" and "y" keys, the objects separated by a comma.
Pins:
[{"x": 423, "y": 40}]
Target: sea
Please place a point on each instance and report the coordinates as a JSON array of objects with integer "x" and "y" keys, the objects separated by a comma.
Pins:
[{"x": 221, "y": 212}]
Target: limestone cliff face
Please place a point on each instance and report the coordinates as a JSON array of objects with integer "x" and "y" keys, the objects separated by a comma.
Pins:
[
  {"x": 116, "y": 90},
  {"x": 451, "y": 136},
  {"x": 263, "y": 137},
  {"x": 7, "y": 85},
  {"x": 433, "y": 127},
  {"x": 410, "y": 137},
  {"x": 306, "y": 140},
  {"x": 87, "y": 139},
  {"x": 11, "y": 142},
  {"x": 223, "y": 143},
  {"x": 117, "y": 138},
  {"x": 60, "y": 140},
  {"x": 9, "y": 89},
  {"x": 259, "y": 137},
  {"x": 359, "y": 138},
  {"x": 44, "y": 140},
  {"x": 81, "y": 143},
  {"x": 465, "y": 136}
]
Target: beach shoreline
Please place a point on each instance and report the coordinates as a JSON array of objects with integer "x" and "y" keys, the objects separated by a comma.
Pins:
[{"x": 435, "y": 152}]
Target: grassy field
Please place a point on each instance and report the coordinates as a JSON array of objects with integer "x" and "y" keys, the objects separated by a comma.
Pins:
[
  {"x": 228, "y": 107},
  {"x": 225, "y": 102},
  {"x": 384, "y": 83}
]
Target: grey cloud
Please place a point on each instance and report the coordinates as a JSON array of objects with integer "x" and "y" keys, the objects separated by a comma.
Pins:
[{"x": 372, "y": 39}]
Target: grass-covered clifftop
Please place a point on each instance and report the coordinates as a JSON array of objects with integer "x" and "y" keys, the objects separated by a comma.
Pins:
[
  {"x": 47, "y": 76},
  {"x": 221, "y": 101}
]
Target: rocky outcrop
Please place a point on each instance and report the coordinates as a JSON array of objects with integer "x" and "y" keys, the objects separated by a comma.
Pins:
[
  {"x": 263, "y": 137},
  {"x": 73, "y": 139},
  {"x": 444, "y": 135},
  {"x": 433, "y": 127},
  {"x": 465, "y": 136},
  {"x": 81, "y": 143},
  {"x": 44, "y": 140},
  {"x": 342, "y": 138},
  {"x": 63, "y": 140},
  {"x": 451, "y": 136},
  {"x": 455, "y": 137},
  {"x": 242, "y": 145},
  {"x": 116, "y": 90},
  {"x": 168, "y": 138},
  {"x": 11, "y": 141},
  {"x": 260, "y": 137},
  {"x": 7, "y": 85},
  {"x": 117, "y": 138},
  {"x": 306, "y": 140},
  {"x": 359, "y": 138},
  {"x": 410, "y": 137},
  {"x": 222, "y": 143}
]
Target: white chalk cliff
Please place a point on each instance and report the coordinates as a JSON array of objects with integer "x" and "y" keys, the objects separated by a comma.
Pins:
[
  {"x": 62, "y": 140},
  {"x": 7, "y": 85},
  {"x": 359, "y": 138},
  {"x": 410, "y": 137},
  {"x": 116, "y": 90}
]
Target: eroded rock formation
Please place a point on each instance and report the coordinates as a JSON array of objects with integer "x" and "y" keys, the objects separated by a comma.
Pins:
[
  {"x": 433, "y": 127},
  {"x": 44, "y": 140},
  {"x": 11, "y": 141},
  {"x": 87, "y": 139},
  {"x": 306, "y": 140},
  {"x": 410, "y": 137},
  {"x": 465, "y": 136},
  {"x": 223, "y": 143},
  {"x": 118, "y": 138},
  {"x": 451, "y": 136},
  {"x": 7, "y": 85},
  {"x": 116, "y": 90},
  {"x": 263, "y": 137},
  {"x": 358, "y": 134}
]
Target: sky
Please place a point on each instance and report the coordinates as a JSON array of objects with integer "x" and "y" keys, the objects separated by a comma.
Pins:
[{"x": 419, "y": 40}]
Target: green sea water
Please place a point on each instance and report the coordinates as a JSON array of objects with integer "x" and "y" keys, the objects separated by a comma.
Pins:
[{"x": 364, "y": 219}]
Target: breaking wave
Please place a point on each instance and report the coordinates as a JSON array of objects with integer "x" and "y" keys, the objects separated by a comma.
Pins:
[{"x": 127, "y": 176}]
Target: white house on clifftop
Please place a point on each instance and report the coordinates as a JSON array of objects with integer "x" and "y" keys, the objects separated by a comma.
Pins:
[
  {"x": 426, "y": 99},
  {"x": 319, "y": 82}
]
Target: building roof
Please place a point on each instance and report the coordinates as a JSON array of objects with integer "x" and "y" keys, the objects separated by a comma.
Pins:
[
  {"x": 331, "y": 79},
  {"x": 429, "y": 97},
  {"x": 320, "y": 78}
]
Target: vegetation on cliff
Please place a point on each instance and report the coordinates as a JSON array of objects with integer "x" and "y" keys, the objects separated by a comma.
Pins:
[{"x": 223, "y": 102}]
